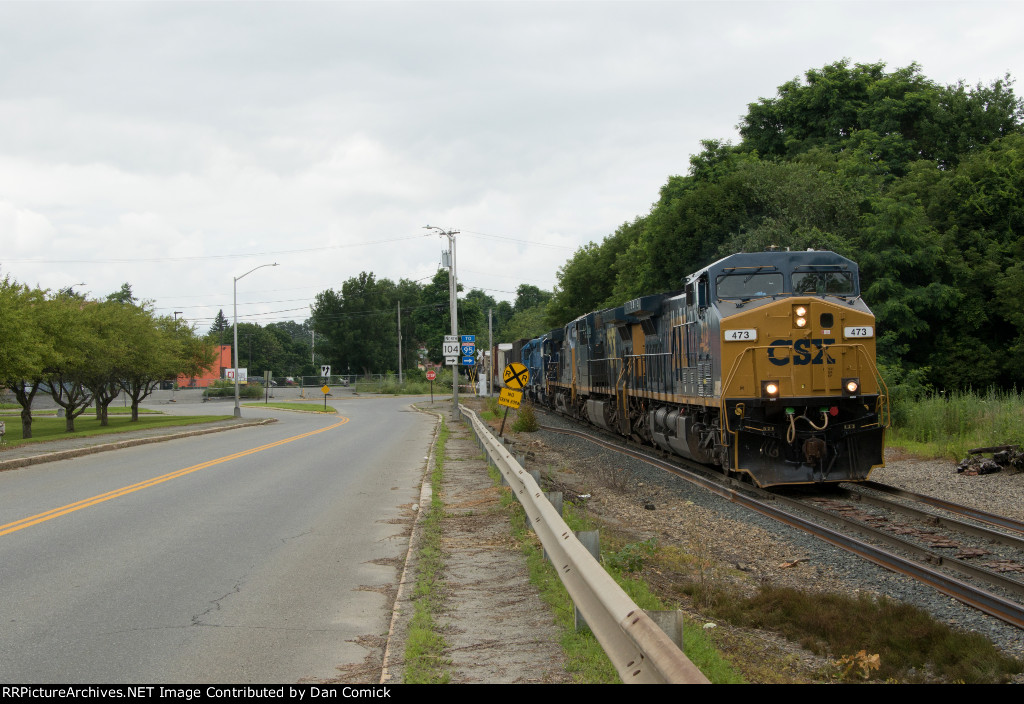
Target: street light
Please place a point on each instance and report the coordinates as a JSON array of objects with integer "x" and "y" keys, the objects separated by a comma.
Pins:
[
  {"x": 238, "y": 408},
  {"x": 174, "y": 382}
]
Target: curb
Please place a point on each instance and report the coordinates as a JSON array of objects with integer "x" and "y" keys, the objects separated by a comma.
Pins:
[
  {"x": 121, "y": 444},
  {"x": 391, "y": 658}
]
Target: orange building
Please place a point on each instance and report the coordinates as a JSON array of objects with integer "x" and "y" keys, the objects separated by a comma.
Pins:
[{"x": 212, "y": 374}]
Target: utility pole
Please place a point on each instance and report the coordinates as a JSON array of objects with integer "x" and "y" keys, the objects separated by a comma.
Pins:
[
  {"x": 399, "y": 343},
  {"x": 453, "y": 303},
  {"x": 490, "y": 349}
]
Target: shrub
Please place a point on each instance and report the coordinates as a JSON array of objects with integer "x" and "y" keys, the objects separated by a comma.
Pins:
[
  {"x": 526, "y": 419},
  {"x": 223, "y": 388}
]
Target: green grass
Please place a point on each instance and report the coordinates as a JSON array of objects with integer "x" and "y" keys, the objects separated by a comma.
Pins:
[
  {"x": 425, "y": 645},
  {"x": 585, "y": 659},
  {"x": 948, "y": 425},
  {"x": 908, "y": 640},
  {"x": 311, "y": 406},
  {"x": 86, "y": 425}
]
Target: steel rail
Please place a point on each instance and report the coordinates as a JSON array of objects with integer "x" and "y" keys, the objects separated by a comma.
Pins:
[
  {"x": 992, "y": 604},
  {"x": 1016, "y": 542},
  {"x": 976, "y": 514}
]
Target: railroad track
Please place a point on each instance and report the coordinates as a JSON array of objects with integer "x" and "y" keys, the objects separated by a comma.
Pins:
[{"x": 990, "y": 591}]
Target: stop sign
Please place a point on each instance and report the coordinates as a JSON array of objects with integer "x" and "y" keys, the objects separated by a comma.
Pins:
[{"x": 431, "y": 375}]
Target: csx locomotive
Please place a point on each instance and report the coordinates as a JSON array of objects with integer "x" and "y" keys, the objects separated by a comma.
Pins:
[{"x": 763, "y": 365}]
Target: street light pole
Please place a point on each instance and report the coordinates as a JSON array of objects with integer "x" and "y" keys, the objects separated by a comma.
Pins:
[
  {"x": 238, "y": 408},
  {"x": 174, "y": 382},
  {"x": 453, "y": 303}
]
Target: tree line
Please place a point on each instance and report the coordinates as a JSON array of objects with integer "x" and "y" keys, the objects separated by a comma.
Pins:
[
  {"x": 359, "y": 323},
  {"x": 922, "y": 184},
  {"x": 284, "y": 348},
  {"x": 84, "y": 352}
]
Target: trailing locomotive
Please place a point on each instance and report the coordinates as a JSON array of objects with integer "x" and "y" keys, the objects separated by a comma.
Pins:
[{"x": 763, "y": 365}]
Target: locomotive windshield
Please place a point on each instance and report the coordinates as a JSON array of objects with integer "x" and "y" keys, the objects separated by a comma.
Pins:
[
  {"x": 749, "y": 276},
  {"x": 836, "y": 283},
  {"x": 744, "y": 284}
]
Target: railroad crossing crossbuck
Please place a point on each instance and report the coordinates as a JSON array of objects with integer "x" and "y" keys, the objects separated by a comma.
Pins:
[{"x": 515, "y": 375}]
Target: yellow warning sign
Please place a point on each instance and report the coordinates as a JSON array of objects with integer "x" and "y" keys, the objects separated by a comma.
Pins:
[
  {"x": 325, "y": 389},
  {"x": 515, "y": 375},
  {"x": 510, "y": 398}
]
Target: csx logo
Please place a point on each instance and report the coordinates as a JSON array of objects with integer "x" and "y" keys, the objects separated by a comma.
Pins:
[{"x": 801, "y": 352}]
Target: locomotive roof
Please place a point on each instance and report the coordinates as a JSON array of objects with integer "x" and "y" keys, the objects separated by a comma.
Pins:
[{"x": 784, "y": 261}]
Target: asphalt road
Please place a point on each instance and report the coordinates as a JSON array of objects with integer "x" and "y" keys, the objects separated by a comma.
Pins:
[{"x": 255, "y": 555}]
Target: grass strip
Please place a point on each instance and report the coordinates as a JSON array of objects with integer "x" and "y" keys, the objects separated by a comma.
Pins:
[
  {"x": 585, "y": 658},
  {"x": 308, "y": 407},
  {"x": 47, "y": 429},
  {"x": 424, "y": 647}
]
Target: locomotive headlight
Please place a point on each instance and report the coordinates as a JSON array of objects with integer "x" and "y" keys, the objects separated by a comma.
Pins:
[
  {"x": 851, "y": 387},
  {"x": 800, "y": 316},
  {"x": 770, "y": 389}
]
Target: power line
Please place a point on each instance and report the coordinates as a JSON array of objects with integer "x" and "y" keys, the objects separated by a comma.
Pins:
[
  {"x": 242, "y": 255},
  {"x": 525, "y": 242}
]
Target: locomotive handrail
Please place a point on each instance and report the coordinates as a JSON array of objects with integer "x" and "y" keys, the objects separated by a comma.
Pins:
[{"x": 639, "y": 650}]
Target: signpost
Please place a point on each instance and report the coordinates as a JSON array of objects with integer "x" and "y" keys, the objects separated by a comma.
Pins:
[
  {"x": 326, "y": 389},
  {"x": 450, "y": 349},
  {"x": 468, "y": 350},
  {"x": 431, "y": 375},
  {"x": 516, "y": 376}
]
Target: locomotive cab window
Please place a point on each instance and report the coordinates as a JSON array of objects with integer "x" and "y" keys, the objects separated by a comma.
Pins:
[
  {"x": 750, "y": 285},
  {"x": 836, "y": 283}
]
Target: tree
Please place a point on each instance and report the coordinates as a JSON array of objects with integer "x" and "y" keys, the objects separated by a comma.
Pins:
[
  {"x": 433, "y": 315},
  {"x": 123, "y": 295},
  {"x": 107, "y": 346},
  {"x": 66, "y": 370},
  {"x": 163, "y": 348},
  {"x": 359, "y": 324},
  {"x": 24, "y": 352},
  {"x": 529, "y": 296},
  {"x": 220, "y": 325}
]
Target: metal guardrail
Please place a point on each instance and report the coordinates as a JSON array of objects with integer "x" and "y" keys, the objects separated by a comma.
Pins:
[{"x": 639, "y": 650}]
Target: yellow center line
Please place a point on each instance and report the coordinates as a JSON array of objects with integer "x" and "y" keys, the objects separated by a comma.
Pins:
[{"x": 85, "y": 503}]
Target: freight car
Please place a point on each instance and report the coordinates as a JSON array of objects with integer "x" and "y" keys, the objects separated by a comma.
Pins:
[{"x": 764, "y": 365}]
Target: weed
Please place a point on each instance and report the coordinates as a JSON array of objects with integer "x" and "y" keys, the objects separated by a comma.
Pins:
[
  {"x": 526, "y": 419},
  {"x": 614, "y": 477},
  {"x": 860, "y": 664},
  {"x": 632, "y": 556}
]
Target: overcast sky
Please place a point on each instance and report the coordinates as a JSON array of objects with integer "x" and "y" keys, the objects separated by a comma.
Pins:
[{"x": 177, "y": 145}]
